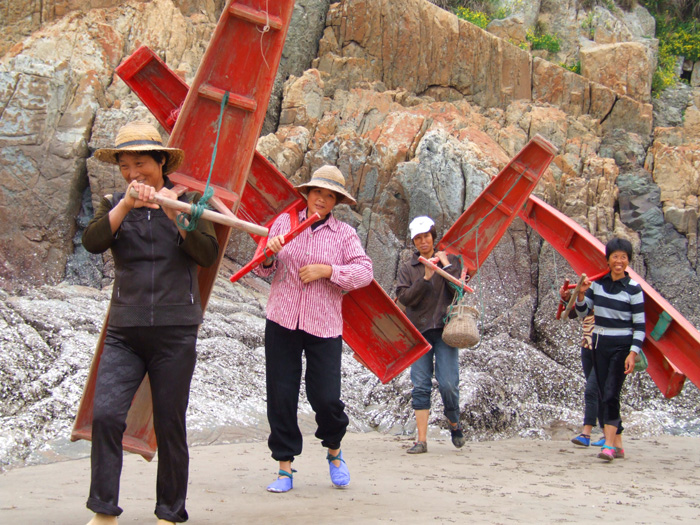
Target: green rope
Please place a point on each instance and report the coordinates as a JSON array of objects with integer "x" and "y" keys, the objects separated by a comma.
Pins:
[{"x": 197, "y": 208}]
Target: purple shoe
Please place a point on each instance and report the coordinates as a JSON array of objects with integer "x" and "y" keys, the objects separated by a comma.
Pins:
[
  {"x": 340, "y": 476},
  {"x": 283, "y": 483}
]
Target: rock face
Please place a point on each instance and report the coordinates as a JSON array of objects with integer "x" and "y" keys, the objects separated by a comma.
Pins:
[
  {"x": 627, "y": 67},
  {"x": 419, "y": 110}
]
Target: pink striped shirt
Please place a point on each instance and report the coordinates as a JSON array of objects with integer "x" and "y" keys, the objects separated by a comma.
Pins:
[{"x": 315, "y": 307}]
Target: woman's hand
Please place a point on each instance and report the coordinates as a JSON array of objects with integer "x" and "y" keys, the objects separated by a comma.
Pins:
[
  {"x": 313, "y": 272},
  {"x": 145, "y": 196},
  {"x": 582, "y": 291},
  {"x": 169, "y": 194},
  {"x": 443, "y": 258},
  {"x": 629, "y": 362},
  {"x": 565, "y": 294},
  {"x": 275, "y": 244}
]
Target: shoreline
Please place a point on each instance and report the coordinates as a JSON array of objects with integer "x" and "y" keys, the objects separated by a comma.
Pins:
[{"x": 514, "y": 480}]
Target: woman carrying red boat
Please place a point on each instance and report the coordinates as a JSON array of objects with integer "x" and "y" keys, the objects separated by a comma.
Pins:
[
  {"x": 304, "y": 316},
  {"x": 617, "y": 302},
  {"x": 154, "y": 316}
]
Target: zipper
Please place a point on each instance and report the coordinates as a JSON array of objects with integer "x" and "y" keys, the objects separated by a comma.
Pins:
[{"x": 153, "y": 267}]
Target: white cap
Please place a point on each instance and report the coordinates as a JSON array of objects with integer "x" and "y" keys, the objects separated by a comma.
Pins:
[{"x": 420, "y": 225}]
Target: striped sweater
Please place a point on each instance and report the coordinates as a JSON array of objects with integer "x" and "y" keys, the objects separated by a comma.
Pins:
[{"x": 618, "y": 307}]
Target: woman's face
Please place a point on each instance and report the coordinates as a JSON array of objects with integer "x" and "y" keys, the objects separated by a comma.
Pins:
[
  {"x": 617, "y": 262},
  {"x": 321, "y": 201},
  {"x": 142, "y": 168},
  {"x": 424, "y": 244}
]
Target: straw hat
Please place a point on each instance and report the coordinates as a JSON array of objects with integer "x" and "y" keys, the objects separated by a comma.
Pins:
[
  {"x": 330, "y": 178},
  {"x": 141, "y": 136}
]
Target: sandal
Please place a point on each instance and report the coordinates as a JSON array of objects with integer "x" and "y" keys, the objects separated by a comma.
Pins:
[
  {"x": 340, "y": 476},
  {"x": 582, "y": 440},
  {"x": 283, "y": 483},
  {"x": 607, "y": 453}
]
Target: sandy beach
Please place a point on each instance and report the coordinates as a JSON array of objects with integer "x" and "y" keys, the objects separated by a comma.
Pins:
[{"x": 510, "y": 481}]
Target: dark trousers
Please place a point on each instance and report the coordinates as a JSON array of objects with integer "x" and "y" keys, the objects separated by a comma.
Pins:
[
  {"x": 283, "y": 365},
  {"x": 609, "y": 355},
  {"x": 167, "y": 354},
  {"x": 591, "y": 394}
]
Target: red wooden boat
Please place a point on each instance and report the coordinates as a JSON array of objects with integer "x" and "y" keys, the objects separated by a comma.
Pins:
[
  {"x": 477, "y": 231},
  {"x": 252, "y": 33},
  {"x": 673, "y": 350}
]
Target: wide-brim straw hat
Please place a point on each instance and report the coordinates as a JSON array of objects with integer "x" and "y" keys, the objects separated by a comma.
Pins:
[
  {"x": 330, "y": 178},
  {"x": 140, "y": 136}
]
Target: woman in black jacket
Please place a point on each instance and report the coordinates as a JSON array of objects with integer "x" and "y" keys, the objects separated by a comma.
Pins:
[{"x": 154, "y": 316}]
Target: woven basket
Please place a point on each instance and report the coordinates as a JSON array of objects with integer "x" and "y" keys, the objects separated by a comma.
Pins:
[{"x": 460, "y": 330}]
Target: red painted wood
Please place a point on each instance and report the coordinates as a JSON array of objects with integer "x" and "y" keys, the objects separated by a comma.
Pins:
[
  {"x": 486, "y": 220},
  {"x": 371, "y": 320},
  {"x": 677, "y": 353}
]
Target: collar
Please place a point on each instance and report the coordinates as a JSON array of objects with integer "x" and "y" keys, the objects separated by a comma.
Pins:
[
  {"x": 624, "y": 281},
  {"x": 329, "y": 221}
]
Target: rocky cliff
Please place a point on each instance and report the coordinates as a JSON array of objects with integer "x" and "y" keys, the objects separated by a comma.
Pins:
[{"x": 419, "y": 110}]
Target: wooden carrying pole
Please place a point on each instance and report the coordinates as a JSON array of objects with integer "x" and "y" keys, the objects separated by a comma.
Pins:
[
  {"x": 208, "y": 215},
  {"x": 446, "y": 275}
]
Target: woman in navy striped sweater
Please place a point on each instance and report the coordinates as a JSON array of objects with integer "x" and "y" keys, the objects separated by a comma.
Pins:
[{"x": 618, "y": 304}]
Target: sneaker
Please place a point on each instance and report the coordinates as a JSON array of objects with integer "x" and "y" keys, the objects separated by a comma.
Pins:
[
  {"x": 419, "y": 447},
  {"x": 607, "y": 453},
  {"x": 582, "y": 440},
  {"x": 598, "y": 443},
  {"x": 619, "y": 453},
  {"x": 458, "y": 439},
  {"x": 340, "y": 476}
]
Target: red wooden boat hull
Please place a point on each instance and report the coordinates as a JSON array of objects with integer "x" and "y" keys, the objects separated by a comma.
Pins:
[
  {"x": 246, "y": 71},
  {"x": 481, "y": 226},
  {"x": 676, "y": 354}
]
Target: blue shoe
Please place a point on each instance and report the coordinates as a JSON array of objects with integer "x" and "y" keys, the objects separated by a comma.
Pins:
[
  {"x": 582, "y": 440},
  {"x": 340, "y": 476},
  {"x": 598, "y": 443},
  {"x": 283, "y": 483}
]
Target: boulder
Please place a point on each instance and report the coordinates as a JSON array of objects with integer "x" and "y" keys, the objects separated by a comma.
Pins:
[
  {"x": 625, "y": 67},
  {"x": 512, "y": 29}
]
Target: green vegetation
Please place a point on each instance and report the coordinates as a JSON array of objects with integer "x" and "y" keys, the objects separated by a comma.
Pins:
[
  {"x": 574, "y": 68},
  {"x": 475, "y": 17},
  {"x": 541, "y": 40},
  {"x": 678, "y": 31}
]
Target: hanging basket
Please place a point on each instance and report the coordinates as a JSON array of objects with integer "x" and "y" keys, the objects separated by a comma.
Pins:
[{"x": 460, "y": 330}]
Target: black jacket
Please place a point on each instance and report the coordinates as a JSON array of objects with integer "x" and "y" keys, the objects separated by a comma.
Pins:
[{"x": 155, "y": 268}]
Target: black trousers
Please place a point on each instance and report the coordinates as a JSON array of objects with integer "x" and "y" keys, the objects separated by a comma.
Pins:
[
  {"x": 167, "y": 354},
  {"x": 609, "y": 354},
  {"x": 591, "y": 394},
  {"x": 283, "y": 353}
]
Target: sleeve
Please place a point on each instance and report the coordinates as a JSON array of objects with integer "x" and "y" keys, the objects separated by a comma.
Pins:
[
  {"x": 201, "y": 244},
  {"x": 455, "y": 266},
  {"x": 356, "y": 270},
  {"x": 638, "y": 319},
  {"x": 97, "y": 237},
  {"x": 585, "y": 306},
  {"x": 410, "y": 293}
]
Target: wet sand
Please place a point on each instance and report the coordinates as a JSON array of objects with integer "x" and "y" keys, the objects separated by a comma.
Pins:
[{"x": 511, "y": 481}]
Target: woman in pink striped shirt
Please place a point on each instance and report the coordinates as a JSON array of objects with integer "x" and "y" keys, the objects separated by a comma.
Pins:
[{"x": 304, "y": 315}]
